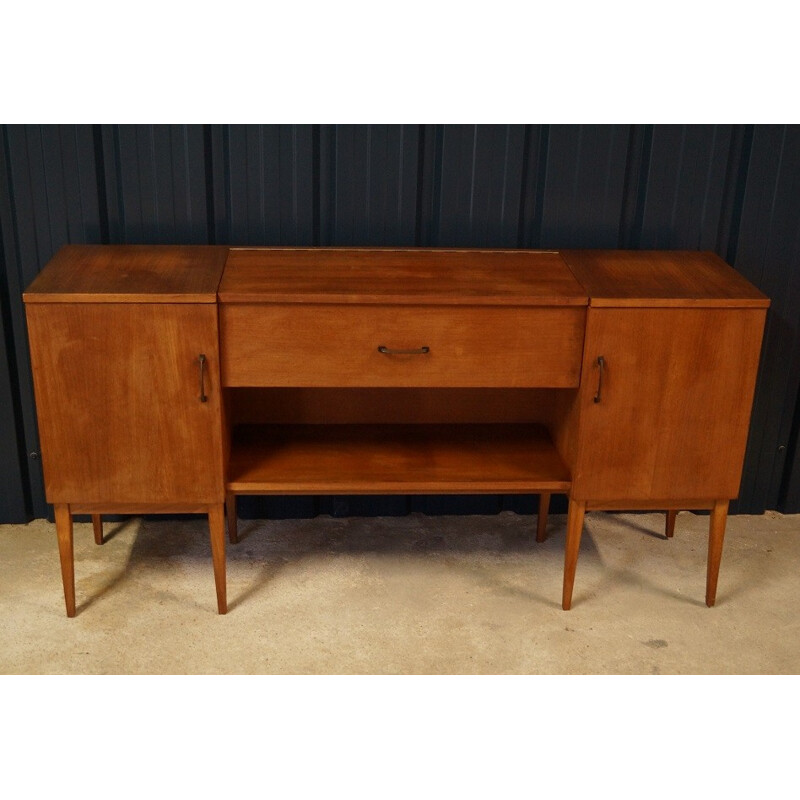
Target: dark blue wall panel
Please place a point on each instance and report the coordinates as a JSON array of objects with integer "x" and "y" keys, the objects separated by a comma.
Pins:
[
  {"x": 768, "y": 253},
  {"x": 734, "y": 189},
  {"x": 13, "y": 460},
  {"x": 683, "y": 204},
  {"x": 368, "y": 184},
  {"x": 155, "y": 184},
  {"x": 584, "y": 186},
  {"x": 51, "y": 180},
  {"x": 478, "y": 178},
  {"x": 263, "y": 184}
]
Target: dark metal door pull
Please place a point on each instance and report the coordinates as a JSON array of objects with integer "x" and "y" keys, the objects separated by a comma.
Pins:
[
  {"x": 202, "y": 360},
  {"x": 420, "y": 351},
  {"x": 601, "y": 364}
]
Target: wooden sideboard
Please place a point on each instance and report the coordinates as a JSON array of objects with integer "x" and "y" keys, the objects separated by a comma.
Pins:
[{"x": 172, "y": 379}]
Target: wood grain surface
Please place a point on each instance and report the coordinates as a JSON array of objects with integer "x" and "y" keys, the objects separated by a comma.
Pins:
[
  {"x": 674, "y": 412},
  {"x": 117, "y": 392},
  {"x": 291, "y": 405},
  {"x": 331, "y": 345},
  {"x": 440, "y": 277},
  {"x": 661, "y": 278},
  {"x": 394, "y": 459},
  {"x": 130, "y": 274}
]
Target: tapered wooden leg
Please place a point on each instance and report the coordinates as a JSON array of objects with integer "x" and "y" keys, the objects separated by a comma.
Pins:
[
  {"x": 230, "y": 510},
  {"x": 65, "y": 552},
  {"x": 670, "y": 528},
  {"x": 216, "y": 524},
  {"x": 97, "y": 524},
  {"x": 575, "y": 514},
  {"x": 716, "y": 535},
  {"x": 541, "y": 523}
]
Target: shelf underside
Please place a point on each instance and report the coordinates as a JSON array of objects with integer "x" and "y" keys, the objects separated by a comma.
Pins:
[{"x": 394, "y": 459}]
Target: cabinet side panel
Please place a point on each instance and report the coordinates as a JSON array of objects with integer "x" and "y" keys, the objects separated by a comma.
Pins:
[
  {"x": 118, "y": 402},
  {"x": 563, "y": 421},
  {"x": 674, "y": 412}
]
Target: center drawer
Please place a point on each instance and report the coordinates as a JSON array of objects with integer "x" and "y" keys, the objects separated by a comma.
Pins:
[{"x": 290, "y": 344}]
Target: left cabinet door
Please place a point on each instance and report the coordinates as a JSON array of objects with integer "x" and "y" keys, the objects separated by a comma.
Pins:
[{"x": 119, "y": 402}]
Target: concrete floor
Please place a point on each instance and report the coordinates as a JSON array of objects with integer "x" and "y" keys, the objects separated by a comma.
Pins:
[{"x": 405, "y": 595}]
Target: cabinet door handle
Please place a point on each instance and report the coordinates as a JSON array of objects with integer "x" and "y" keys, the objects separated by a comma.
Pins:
[
  {"x": 601, "y": 365},
  {"x": 202, "y": 360},
  {"x": 388, "y": 351}
]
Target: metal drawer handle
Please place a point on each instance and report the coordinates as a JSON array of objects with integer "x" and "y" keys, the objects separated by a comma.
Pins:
[
  {"x": 601, "y": 364},
  {"x": 202, "y": 360},
  {"x": 420, "y": 351}
]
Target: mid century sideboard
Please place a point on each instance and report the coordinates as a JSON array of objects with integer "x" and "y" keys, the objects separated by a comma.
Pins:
[{"x": 174, "y": 378}]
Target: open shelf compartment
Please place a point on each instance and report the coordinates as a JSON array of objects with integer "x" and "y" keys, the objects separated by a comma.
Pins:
[{"x": 395, "y": 459}]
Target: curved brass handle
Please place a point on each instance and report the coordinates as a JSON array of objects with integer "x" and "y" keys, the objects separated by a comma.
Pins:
[
  {"x": 601, "y": 364},
  {"x": 420, "y": 351},
  {"x": 202, "y": 360}
]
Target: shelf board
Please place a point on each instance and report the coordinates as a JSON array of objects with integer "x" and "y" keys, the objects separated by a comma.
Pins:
[{"x": 395, "y": 459}]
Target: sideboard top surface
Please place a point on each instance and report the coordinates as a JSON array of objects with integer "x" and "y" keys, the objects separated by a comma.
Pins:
[
  {"x": 203, "y": 273},
  {"x": 661, "y": 278},
  {"x": 130, "y": 274},
  {"x": 418, "y": 276}
]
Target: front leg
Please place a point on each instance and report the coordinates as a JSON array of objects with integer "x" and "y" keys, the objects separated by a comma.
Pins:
[
  {"x": 216, "y": 525},
  {"x": 575, "y": 514},
  {"x": 65, "y": 552},
  {"x": 716, "y": 535},
  {"x": 669, "y": 529},
  {"x": 97, "y": 525}
]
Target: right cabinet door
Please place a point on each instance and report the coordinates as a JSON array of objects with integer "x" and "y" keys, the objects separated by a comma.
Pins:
[{"x": 666, "y": 416}]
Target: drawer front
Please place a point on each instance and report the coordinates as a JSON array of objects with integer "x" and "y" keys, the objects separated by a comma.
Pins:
[{"x": 338, "y": 345}]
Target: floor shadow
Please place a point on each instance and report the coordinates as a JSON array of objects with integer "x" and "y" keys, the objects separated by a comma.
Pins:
[
  {"x": 633, "y": 525},
  {"x": 266, "y": 576},
  {"x": 430, "y": 536},
  {"x": 277, "y": 544},
  {"x": 97, "y": 593},
  {"x": 113, "y": 529},
  {"x": 155, "y": 542},
  {"x": 274, "y": 545},
  {"x": 614, "y": 577}
]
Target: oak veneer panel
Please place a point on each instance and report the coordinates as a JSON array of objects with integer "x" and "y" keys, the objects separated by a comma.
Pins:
[
  {"x": 441, "y": 277},
  {"x": 661, "y": 278},
  {"x": 291, "y": 405},
  {"x": 394, "y": 459},
  {"x": 563, "y": 421},
  {"x": 130, "y": 274},
  {"x": 117, "y": 397},
  {"x": 330, "y": 345},
  {"x": 675, "y": 404}
]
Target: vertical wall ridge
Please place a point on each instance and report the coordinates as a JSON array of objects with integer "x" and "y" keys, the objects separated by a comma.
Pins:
[
  {"x": 535, "y": 238},
  {"x": 15, "y": 500}
]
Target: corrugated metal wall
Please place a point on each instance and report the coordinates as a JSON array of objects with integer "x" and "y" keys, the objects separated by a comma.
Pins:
[{"x": 734, "y": 189}]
